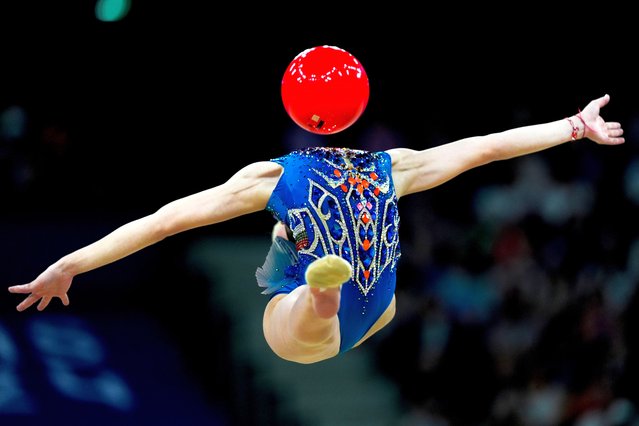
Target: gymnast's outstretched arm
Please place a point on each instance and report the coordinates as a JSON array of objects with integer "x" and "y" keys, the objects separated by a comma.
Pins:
[
  {"x": 247, "y": 191},
  {"x": 415, "y": 171}
]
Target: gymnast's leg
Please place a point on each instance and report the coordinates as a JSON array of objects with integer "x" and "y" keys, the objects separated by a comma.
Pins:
[{"x": 302, "y": 326}]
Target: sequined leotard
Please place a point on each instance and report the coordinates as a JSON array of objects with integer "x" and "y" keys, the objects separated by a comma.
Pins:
[{"x": 340, "y": 201}]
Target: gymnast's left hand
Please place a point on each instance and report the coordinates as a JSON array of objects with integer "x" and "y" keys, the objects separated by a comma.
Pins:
[
  {"x": 49, "y": 284},
  {"x": 596, "y": 128}
]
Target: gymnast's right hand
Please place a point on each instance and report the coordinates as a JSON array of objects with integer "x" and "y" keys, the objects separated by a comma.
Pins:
[{"x": 49, "y": 284}]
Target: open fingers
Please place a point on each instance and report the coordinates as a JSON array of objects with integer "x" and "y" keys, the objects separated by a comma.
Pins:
[
  {"x": 44, "y": 302},
  {"x": 603, "y": 101},
  {"x": 23, "y": 288},
  {"x": 614, "y": 132},
  {"x": 616, "y": 140},
  {"x": 26, "y": 303}
]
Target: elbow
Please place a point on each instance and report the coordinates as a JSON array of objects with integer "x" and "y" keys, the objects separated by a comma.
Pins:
[
  {"x": 163, "y": 224},
  {"x": 490, "y": 154},
  {"x": 491, "y": 150},
  {"x": 485, "y": 151}
]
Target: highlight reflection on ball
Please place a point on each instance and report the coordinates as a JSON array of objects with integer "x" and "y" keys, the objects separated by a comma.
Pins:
[{"x": 325, "y": 89}]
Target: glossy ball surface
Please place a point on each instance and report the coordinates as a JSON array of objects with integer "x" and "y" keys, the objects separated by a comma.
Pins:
[{"x": 325, "y": 89}]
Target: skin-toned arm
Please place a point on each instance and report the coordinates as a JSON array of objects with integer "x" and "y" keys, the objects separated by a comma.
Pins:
[
  {"x": 245, "y": 192},
  {"x": 415, "y": 171}
]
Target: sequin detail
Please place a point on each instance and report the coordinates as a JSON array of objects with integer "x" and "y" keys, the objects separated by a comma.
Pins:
[{"x": 351, "y": 211}]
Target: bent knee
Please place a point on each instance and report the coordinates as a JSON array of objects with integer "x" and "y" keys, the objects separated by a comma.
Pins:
[{"x": 277, "y": 332}]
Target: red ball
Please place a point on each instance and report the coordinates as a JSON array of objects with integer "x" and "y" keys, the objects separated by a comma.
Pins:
[{"x": 325, "y": 89}]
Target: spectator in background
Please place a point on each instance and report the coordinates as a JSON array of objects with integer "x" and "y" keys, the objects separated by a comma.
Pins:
[{"x": 330, "y": 274}]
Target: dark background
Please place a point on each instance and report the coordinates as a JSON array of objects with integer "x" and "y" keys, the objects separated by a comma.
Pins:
[
  {"x": 176, "y": 97},
  {"x": 123, "y": 117}
]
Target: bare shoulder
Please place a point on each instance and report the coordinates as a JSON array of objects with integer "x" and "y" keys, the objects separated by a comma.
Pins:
[
  {"x": 398, "y": 155},
  {"x": 257, "y": 181},
  {"x": 402, "y": 165},
  {"x": 415, "y": 171},
  {"x": 261, "y": 170}
]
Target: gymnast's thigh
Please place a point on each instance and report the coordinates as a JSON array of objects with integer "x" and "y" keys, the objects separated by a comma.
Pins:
[
  {"x": 381, "y": 322},
  {"x": 279, "y": 321}
]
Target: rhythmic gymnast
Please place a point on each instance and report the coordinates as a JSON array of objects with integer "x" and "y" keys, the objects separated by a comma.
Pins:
[{"x": 330, "y": 273}]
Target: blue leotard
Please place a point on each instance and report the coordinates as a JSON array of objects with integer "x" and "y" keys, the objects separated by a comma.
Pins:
[{"x": 339, "y": 201}]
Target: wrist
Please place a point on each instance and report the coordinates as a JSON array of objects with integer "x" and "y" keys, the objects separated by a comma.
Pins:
[
  {"x": 64, "y": 267},
  {"x": 583, "y": 123},
  {"x": 577, "y": 127}
]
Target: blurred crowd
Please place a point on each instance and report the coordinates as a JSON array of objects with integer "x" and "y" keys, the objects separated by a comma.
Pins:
[
  {"x": 516, "y": 287},
  {"x": 517, "y": 293}
]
